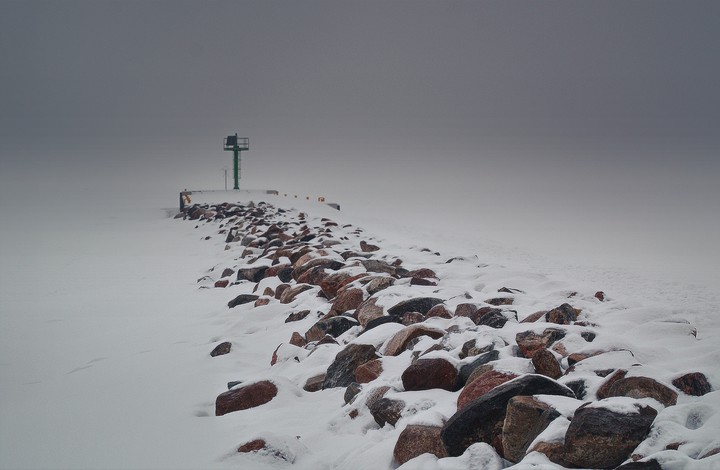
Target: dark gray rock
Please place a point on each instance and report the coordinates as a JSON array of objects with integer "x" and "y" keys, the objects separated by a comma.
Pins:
[
  {"x": 386, "y": 410},
  {"x": 482, "y": 419},
  {"x": 341, "y": 372},
  {"x": 468, "y": 369},
  {"x": 602, "y": 438},
  {"x": 242, "y": 299},
  {"x": 419, "y": 304},
  {"x": 221, "y": 349}
]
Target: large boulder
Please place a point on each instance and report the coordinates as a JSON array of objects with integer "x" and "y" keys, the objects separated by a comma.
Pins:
[
  {"x": 341, "y": 372},
  {"x": 482, "y": 385},
  {"x": 525, "y": 419},
  {"x": 425, "y": 374},
  {"x": 482, "y": 419},
  {"x": 603, "y": 436},
  {"x": 644, "y": 387},
  {"x": 245, "y": 397},
  {"x": 417, "y": 440}
]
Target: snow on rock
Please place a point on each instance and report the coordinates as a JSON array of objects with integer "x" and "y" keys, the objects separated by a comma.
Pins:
[{"x": 371, "y": 354}]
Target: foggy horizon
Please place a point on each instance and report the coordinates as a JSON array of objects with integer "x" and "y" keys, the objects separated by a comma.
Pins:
[{"x": 529, "y": 120}]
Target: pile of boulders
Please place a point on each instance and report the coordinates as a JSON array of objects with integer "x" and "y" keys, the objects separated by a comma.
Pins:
[{"x": 529, "y": 382}]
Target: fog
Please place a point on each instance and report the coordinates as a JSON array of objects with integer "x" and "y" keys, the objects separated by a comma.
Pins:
[{"x": 579, "y": 130}]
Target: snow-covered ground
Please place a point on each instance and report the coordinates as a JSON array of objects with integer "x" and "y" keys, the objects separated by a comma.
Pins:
[{"x": 105, "y": 339}]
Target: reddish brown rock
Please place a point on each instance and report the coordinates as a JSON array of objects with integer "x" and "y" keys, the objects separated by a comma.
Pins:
[
  {"x": 313, "y": 276},
  {"x": 421, "y": 281},
  {"x": 422, "y": 273},
  {"x": 482, "y": 385},
  {"x": 600, "y": 295},
  {"x": 376, "y": 394},
  {"x": 369, "y": 371},
  {"x": 562, "y": 315},
  {"x": 694, "y": 383},
  {"x": 327, "y": 339},
  {"x": 297, "y": 316},
  {"x": 314, "y": 383},
  {"x": 350, "y": 299},
  {"x": 525, "y": 419},
  {"x": 498, "y": 301},
  {"x": 574, "y": 358},
  {"x": 249, "y": 396},
  {"x": 466, "y": 310},
  {"x": 365, "y": 247},
  {"x": 368, "y": 311},
  {"x": 282, "y": 271},
  {"x": 411, "y": 318},
  {"x": 227, "y": 272},
  {"x": 554, "y": 451},
  {"x": 399, "y": 342},
  {"x": 439, "y": 310},
  {"x": 425, "y": 374},
  {"x": 268, "y": 292},
  {"x": 297, "y": 340},
  {"x": 643, "y": 387},
  {"x": 532, "y": 318},
  {"x": 378, "y": 284},
  {"x": 222, "y": 283},
  {"x": 332, "y": 283},
  {"x": 417, "y": 440},
  {"x": 604, "y": 389},
  {"x": 280, "y": 290},
  {"x": 545, "y": 363},
  {"x": 252, "y": 446},
  {"x": 530, "y": 342},
  {"x": 274, "y": 358},
  {"x": 221, "y": 349},
  {"x": 262, "y": 301},
  {"x": 318, "y": 265}
]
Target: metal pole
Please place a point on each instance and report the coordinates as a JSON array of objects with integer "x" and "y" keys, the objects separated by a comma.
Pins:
[
  {"x": 236, "y": 164},
  {"x": 225, "y": 171}
]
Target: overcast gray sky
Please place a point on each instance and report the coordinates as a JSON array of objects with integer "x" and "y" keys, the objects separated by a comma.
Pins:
[{"x": 608, "y": 107}]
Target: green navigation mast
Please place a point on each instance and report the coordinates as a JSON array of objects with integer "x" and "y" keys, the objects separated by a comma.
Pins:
[{"x": 237, "y": 145}]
